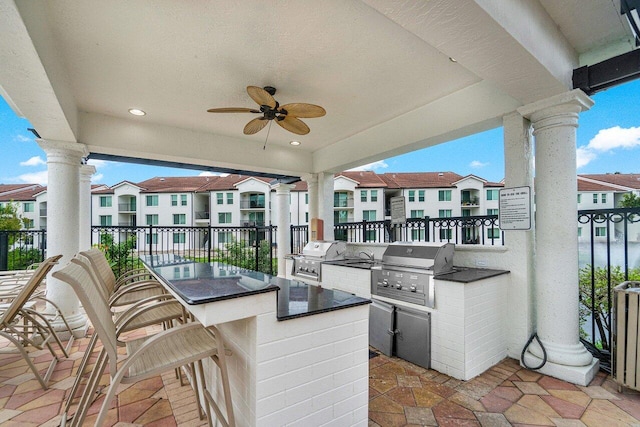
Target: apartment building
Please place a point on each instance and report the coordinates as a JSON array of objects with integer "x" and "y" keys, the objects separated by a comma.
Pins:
[
  {"x": 25, "y": 198},
  {"x": 241, "y": 200},
  {"x": 605, "y": 191}
]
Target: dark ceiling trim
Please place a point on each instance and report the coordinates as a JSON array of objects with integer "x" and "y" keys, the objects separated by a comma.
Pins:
[
  {"x": 611, "y": 72},
  {"x": 285, "y": 179}
]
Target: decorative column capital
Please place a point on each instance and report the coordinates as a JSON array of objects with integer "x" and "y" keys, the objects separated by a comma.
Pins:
[
  {"x": 63, "y": 151},
  {"x": 86, "y": 171},
  {"x": 559, "y": 110},
  {"x": 311, "y": 178},
  {"x": 283, "y": 188}
]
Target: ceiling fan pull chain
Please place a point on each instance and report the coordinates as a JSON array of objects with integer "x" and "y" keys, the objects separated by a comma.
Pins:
[{"x": 264, "y": 147}]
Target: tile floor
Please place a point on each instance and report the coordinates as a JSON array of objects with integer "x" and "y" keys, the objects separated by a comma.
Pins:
[{"x": 401, "y": 394}]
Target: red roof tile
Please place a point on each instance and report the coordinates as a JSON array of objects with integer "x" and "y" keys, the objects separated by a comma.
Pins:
[
  {"x": 423, "y": 179},
  {"x": 629, "y": 180}
]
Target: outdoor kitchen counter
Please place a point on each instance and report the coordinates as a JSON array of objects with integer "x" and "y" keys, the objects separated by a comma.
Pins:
[
  {"x": 311, "y": 369},
  {"x": 200, "y": 283},
  {"x": 469, "y": 274}
]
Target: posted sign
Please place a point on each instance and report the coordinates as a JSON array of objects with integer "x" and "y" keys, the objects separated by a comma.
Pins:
[
  {"x": 398, "y": 214},
  {"x": 515, "y": 208}
]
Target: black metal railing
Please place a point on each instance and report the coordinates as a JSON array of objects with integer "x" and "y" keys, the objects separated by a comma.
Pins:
[
  {"x": 299, "y": 238},
  {"x": 247, "y": 247},
  {"x": 466, "y": 230},
  {"x": 252, "y": 204},
  {"x": 20, "y": 249},
  {"x": 609, "y": 254},
  {"x": 202, "y": 215}
]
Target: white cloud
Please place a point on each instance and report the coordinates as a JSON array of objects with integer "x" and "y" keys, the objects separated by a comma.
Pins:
[
  {"x": 34, "y": 178},
  {"x": 476, "y": 164},
  {"x": 34, "y": 161},
  {"x": 23, "y": 138},
  {"x": 380, "y": 164},
  {"x": 584, "y": 156},
  {"x": 615, "y": 137},
  {"x": 607, "y": 140},
  {"x": 97, "y": 178}
]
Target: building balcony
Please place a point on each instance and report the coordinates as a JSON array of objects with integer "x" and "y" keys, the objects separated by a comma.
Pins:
[
  {"x": 470, "y": 202},
  {"x": 202, "y": 215},
  {"x": 252, "y": 204},
  {"x": 126, "y": 207},
  {"x": 343, "y": 204},
  {"x": 43, "y": 212}
]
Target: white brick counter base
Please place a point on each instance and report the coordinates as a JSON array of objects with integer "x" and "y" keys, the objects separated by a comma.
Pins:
[{"x": 308, "y": 371}]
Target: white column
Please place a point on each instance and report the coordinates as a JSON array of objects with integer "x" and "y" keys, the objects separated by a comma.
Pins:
[
  {"x": 554, "y": 122},
  {"x": 518, "y": 157},
  {"x": 86, "y": 171},
  {"x": 325, "y": 203},
  {"x": 312, "y": 190},
  {"x": 63, "y": 207},
  {"x": 284, "y": 225}
]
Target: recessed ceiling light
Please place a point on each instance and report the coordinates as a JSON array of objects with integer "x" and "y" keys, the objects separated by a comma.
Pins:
[
  {"x": 136, "y": 112},
  {"x": 295, "y": 143}
]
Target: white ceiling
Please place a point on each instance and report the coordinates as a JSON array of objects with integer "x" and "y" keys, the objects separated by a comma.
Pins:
[{"x": 381, "y": 69}]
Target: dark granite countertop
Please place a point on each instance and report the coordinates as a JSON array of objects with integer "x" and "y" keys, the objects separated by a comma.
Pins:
[
  {"x": 200, "y": 283},
  {"x": 469, "y": 274}
]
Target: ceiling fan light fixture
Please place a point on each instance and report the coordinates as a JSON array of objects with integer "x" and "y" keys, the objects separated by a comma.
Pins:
[
  {"x": 137, "y": 112},
  {"x": 295, "y": 143}
]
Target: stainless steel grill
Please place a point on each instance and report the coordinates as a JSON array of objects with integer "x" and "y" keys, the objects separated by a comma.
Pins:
[
  {"x": 306, "y": 266},
  {"x": 407, "y": 271}
]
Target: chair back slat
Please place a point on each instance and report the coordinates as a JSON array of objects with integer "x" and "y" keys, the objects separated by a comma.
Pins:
[
  {"x": 101, "y": 267},
  {"x": 88, "y": 267},
  {"x": 27, "y": 290},
  {"x": 95, "y": 306}
]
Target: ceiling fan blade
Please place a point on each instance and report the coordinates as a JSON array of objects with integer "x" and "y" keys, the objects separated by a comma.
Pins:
[
  {"x": 299, "y": 109},
  {"x": 255, "y": 125},
  {"x": 261, "y": 96},
  {"x": 232, "y": 110},
  {"x": 294, "y": 125}
]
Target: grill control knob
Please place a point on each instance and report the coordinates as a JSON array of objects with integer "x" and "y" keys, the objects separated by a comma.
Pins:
[
  {"x": 385, "y": 283},
  {"x": 413, "y": 288},
  {"x": 399, "y": 286}
]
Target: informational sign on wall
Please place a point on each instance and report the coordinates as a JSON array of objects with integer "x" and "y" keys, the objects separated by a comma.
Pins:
[
  {"x": 515, "y": 208},
  {"x": 398, "y": 213}
]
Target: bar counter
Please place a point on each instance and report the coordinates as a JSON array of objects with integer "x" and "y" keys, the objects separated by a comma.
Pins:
[{"x": 299, "y": 352}]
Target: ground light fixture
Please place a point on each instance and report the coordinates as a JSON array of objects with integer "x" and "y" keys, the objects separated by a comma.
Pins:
[
  {"x": 630, "y": 9},
  {"x": 137, "y": 112}
]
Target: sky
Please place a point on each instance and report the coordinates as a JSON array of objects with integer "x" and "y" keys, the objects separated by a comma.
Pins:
[{"x": 608, "y": 140}]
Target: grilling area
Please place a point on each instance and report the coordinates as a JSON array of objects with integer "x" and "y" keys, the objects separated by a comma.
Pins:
[{"x": 425, "y": 309}]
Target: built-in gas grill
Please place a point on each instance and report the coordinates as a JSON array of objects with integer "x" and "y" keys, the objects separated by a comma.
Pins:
[
  {"x": 306, "y": 266},
  {"x": 407, "y": 271}
]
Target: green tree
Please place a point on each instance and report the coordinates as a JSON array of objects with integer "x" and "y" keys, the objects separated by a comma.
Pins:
[
  {"x": 603, "y": 284},
  {"x": 241, "y": 254},
  {"x": 9, "y": 219},
  {"x": 119, "y": 255},
  {"x": 630, "y": 200}
]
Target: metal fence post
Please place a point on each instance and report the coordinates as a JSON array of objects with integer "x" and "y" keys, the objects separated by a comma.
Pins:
[
  {"x": 209, "y": 238},
  {"x": 150, "y": 241},
  {"x": 427, "y": 236},
  {"x": 4, "y": 250}
]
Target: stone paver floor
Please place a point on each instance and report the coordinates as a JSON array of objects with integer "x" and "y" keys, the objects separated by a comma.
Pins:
[{"x": 401, "y": 394}]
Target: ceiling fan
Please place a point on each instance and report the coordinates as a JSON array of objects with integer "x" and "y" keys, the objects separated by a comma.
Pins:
[{"x": 285, "y": 115}]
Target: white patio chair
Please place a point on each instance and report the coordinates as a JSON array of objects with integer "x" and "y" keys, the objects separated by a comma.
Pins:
[
  {"x": 179, "y": 346},
  {"x": 26, "y": 328}
]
